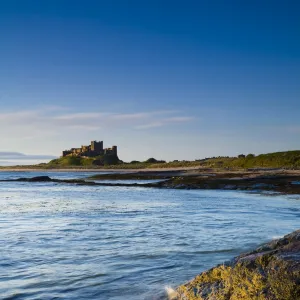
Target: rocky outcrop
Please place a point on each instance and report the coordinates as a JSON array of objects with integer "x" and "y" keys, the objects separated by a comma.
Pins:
[
  {"x": 277, "y": 183},
  {"x": 35, "y": 179},
  {"x": 72, "y": 181},
  {"x": 286, "y": 184},
  {"x": 270, "y": 272}
]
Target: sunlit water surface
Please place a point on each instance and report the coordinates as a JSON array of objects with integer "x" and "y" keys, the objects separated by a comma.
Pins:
[{"x": 61, "y": 241}]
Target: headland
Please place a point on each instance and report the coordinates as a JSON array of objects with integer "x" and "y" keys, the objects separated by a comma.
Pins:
[{"x": 95, "y": 157}]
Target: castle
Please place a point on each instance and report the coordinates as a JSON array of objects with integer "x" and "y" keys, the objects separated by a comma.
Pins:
[{"x": 95, "y": 149}]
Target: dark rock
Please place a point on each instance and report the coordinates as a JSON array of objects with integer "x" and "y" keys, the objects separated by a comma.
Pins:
[
  {"x": 35, "y": 179},
  {"x": 40, "y": 178}
]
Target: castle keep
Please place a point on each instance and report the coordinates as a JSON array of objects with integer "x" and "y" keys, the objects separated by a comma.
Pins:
[{"x": 95, "y": 149}]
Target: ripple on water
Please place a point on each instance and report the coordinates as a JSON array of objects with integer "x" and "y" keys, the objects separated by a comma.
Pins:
[{"x": 85, "y": 242}]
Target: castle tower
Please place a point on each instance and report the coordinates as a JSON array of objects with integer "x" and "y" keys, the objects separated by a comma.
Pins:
[
  {"x": 97, "y": 146},
  {"x": 114, "y": 150}
]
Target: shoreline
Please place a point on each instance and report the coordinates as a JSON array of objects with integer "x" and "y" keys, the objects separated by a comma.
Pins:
[
  {"x": 8, "y": 169},
  {"x": 284, "y": 182},
  {"x": 198, "y": 169}
]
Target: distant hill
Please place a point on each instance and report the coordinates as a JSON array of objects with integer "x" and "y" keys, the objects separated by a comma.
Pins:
[{"x": 287, "y": 159}]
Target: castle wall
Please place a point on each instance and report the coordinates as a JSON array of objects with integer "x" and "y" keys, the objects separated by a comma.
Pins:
[
  {"x": 95, "y": 149},
  {"x": 66, "y": 152}
]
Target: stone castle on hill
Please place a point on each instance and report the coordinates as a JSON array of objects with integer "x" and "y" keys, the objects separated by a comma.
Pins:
[{"x": 95, "y": 149}]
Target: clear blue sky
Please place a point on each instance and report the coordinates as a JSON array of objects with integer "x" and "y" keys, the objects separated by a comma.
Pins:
[{"x": 168, "y": 79}]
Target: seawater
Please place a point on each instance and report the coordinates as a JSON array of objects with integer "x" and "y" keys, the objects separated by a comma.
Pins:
[{"x": 61, "y": 241}]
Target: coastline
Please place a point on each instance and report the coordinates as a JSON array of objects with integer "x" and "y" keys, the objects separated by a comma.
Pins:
[
  {"x": 14, "y": 169},
  {"x": 281, "y": 181},
  {"x": 197, "y": 169}
]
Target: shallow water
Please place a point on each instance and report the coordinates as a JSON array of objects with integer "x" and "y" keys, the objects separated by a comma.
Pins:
[{"x": 89, "y": 242}]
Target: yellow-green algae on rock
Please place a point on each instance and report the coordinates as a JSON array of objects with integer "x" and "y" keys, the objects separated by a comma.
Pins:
[{"x": 270, "y": 272}]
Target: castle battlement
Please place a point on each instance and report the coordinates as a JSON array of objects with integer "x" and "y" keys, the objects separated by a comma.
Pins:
[{"x": 92, "y": 150}]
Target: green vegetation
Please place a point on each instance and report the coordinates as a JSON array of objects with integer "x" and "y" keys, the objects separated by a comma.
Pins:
[
  {"x": 108, "y": 161},
  {"x": 72, "y": 161},
  {"x": 154, "y": 161},
  {"x": 288, "y": 159}
]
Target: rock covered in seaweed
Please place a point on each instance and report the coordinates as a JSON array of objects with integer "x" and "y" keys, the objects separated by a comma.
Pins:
[{"x": 270, "y": 272}]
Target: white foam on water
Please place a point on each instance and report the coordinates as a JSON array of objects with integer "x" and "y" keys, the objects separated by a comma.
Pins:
[{"x": 172, "y": 294}]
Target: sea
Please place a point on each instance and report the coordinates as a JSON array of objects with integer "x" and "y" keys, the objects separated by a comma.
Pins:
[{"x": 66, "y": 241}]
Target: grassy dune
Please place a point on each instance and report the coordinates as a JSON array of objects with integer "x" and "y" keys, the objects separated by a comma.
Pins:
[{"x": 287, "y": 159}]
